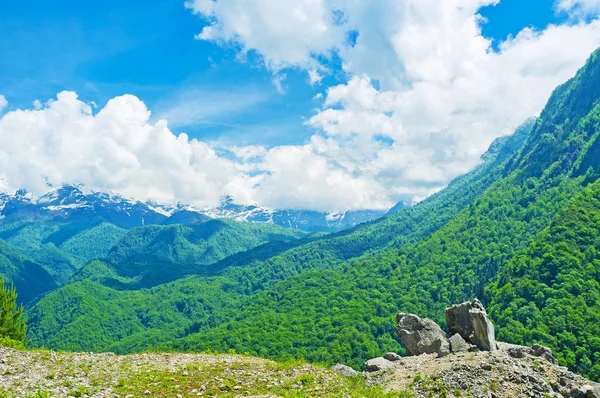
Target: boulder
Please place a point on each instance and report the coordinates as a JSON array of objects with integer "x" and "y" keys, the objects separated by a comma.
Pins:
[
  {"x": 392, "y": 356},
  {"x": 344, "y": 370},
  {"x": 376, "y": 364},
  {"x": 518, "y": 351},
  {"x": 586, "y": 391},
  {"x": 458, "y": 344},
  {"x": 421, "y": 336},
  {"x": 544, "y": 352},
  {"x": 471, "y": 322}
]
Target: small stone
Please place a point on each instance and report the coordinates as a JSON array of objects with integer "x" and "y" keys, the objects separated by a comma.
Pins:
[
  {"x": 392, "y": 356},
  {"x": 486, "y": 366},
  {"x": 517, "y": 352},
  {"x": 147, "y": 392},
  {"x": 590, "y": 391},
  {"x": 458, "y": 344},
  {"x": 377, "y": 364},
  {"x": 344, "y": 370},
  {"x": 543, "y": 352}
]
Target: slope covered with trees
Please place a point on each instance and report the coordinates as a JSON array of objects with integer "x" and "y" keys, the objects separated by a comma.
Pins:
[
  {"x": 30, "y": 278},
  {"x": 61, "y": 246},
  {"x": 126, "y": 320},
  {"x": 550, "y": 292}
]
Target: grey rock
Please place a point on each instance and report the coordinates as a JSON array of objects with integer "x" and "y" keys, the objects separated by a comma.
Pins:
[
  {"x": 421, "y": 336},
  {"x": 470, "y": 320},
  {"x": 592, "y": 392},
  {"x": 344, "y": 370},
  {"x": 458, "y": 344},
  {"x": 518, "y": 352},
  {"x": 543, "y": 352},
  {"x": 392, "y": 356},
  {"x": 376, "y": 364},
  {"x": 586, "y": 391}
]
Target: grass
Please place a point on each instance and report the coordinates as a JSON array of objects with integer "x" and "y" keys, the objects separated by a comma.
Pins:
[
  {"x": 50, "y": 374},
  {"x": 247, "y": 378}
]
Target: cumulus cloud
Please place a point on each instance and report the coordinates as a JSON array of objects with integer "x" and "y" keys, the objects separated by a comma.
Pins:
[
  {"x": 579, "y": 8},
  {"x": 3, "y": 102},
  {"x": 426, "y": 91},
  {"x": 247, "y": 152},
  {"x": 116, "y": 149},
  {"x": 303, "y": 28},
  {"x": 119, "y": 150}
]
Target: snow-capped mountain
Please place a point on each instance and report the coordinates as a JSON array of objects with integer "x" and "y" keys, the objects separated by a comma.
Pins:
[{"x": 73, "y": 202}]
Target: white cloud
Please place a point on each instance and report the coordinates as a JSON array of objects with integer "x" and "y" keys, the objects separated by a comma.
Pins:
[
  {"x": 278, "y": 83},
  {"x": 302, "y": 27},
  {"x": 579, "y": 8},
  {"x": 119, "y": 150},
  {"x": 247, "y": 152},
  {"x": 426, "y": 92},
  {"x": 116, "y": 149},
  {"x": 3, "y": 102},
  {"x": 198, "y": 105}
]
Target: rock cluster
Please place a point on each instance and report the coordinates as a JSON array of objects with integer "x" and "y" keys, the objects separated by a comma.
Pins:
[
  {"x": 467, "y": 361},
  {"x": 536, "y": 350},
  {"x": 469, "y": 328}
]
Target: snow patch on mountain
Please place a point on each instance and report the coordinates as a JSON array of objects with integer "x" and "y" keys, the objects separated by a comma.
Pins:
[{"x": 76, "y": 201}]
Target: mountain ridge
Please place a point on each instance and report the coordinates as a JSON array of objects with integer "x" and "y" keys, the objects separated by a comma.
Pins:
[{"x": 72, "y": 201}]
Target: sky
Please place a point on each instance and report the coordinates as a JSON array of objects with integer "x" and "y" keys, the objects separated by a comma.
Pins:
[{"x": 327, "y": 105}]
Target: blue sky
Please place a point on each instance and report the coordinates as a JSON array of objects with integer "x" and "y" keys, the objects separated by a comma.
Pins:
[
  {"x": 104, "y": 49},
  {"x": 324, "y": 105},
  {"x": 147, "y": 48}
]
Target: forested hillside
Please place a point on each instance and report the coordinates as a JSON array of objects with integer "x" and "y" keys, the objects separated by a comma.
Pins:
[
  {"x": 550, "y": 292},
  {"x": 137, "y": 319},
  {"x": 29, "y": 278},
  {"x": 520, "y": 232},
  {"x": 346, "y": 313},
  {"x": 61, "y": 246}
]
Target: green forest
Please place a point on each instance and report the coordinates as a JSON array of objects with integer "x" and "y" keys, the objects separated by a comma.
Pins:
[{"x": 521, "y": 232}]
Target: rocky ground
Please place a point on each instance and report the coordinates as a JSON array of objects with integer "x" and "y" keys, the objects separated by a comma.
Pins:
[
  {"x": 481, "y": 374},
  {"x": 467, "y": 361},
  {"x": 42, "y": 374}
]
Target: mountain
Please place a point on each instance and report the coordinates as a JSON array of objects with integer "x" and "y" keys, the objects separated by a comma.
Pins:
[
  {"x": 519, "y": 232},
  {"x": 60, "y": 245},
  {"x": 29, "y": 278},
  {"x": 133, "y": 320},
  {"x": 329, "y": 315},
  {"x": 550, "y": 291},
  {"x": 153, "y": 255},
  {"x": 324, "y": 315},
  {"x": 71, "y": 202},
  {"x": 310, "y": 221}
]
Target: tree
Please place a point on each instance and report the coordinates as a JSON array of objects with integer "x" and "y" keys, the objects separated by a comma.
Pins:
[{"x": 12, "y": 324}]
